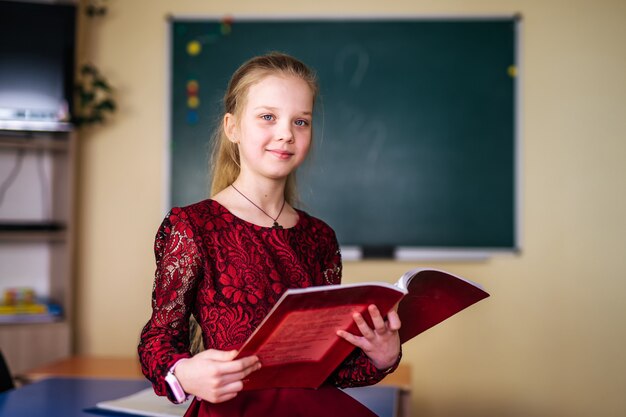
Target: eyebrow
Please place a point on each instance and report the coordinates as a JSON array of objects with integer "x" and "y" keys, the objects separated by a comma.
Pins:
[{"x": 306, "y": 113}]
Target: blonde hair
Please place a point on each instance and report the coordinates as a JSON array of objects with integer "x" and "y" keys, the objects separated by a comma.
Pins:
[{"x": 225, "y": 165}]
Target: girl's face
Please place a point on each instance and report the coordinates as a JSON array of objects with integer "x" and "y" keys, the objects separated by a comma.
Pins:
[{"x": 274, "y": 128}]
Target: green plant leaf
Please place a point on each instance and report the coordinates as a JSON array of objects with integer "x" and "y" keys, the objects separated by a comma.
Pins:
[
  {"x": 102, "y": 84},
  {"x": 107, "y": 104},
  {"x": 88, "y": 69}
]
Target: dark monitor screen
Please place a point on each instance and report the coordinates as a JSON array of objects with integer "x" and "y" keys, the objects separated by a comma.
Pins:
[{"x": 36, "y": 61}]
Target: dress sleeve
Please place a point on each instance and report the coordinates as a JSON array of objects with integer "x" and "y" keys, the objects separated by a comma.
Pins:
[
  {"x": 165, "y": 338},
  {"x": 357, "y": 369}
]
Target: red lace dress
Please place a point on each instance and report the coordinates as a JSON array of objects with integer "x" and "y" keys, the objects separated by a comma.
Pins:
[{"x": 229, "y": 273}]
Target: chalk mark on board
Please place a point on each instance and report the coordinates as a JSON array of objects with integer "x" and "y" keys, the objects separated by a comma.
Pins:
[
  {"x": 379, "y": 136},
  {"x": 372, "y": 136},
  {"x": 345, "y": 59}
]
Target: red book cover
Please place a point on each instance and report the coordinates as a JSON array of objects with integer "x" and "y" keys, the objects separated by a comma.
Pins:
[
  {"x": 297, "y": 342},
  {"x": 433, "y": 296}
]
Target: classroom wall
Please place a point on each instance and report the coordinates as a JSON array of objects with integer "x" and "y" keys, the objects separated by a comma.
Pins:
[{"x": 549, "y": 342}]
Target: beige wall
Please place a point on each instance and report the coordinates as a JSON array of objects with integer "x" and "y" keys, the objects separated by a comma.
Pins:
[{"x": 552, "y": 339}]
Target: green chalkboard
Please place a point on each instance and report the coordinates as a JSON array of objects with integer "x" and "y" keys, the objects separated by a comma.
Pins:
[{"x": 415, "y": 127}]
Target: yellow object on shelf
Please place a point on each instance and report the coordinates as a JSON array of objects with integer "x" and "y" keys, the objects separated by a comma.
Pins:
[{"x": 32, "y": 308}]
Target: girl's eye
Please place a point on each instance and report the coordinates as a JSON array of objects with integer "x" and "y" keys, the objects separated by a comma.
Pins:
[
  {"x": 302, "y": 122},
  {"x": 267, "y": 117}
]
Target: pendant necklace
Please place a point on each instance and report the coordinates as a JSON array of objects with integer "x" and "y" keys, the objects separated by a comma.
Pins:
[{"x": 275, "y": 225}]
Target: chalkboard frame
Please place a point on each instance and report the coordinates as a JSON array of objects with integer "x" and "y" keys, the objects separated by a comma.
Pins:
[{"x": 398, "y": 252}]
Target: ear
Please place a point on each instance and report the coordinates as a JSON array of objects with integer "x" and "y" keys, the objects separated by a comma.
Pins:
[{"x": 230, "y": 127}]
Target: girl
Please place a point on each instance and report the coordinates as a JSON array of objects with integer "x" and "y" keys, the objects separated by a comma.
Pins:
[{"x": 228, "y": 259}]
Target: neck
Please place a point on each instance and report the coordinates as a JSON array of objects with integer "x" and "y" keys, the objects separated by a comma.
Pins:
[{"x": 267, "y": 194}]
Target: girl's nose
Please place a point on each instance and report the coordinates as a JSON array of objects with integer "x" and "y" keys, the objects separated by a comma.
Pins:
[{"x": 285, "y": 134}]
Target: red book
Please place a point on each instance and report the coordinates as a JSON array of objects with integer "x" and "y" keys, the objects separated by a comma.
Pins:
[{"x": 297, "y": 342}]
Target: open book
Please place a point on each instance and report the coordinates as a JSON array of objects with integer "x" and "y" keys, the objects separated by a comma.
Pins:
[{"x": 297, "y": 342}]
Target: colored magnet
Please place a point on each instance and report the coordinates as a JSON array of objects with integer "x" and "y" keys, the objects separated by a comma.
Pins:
[
  {"x": 194, "y": 48},
  {"x": 226, "y": 25},
  {"x": 192, "y": 87},
  {"x": 193, "y": 102},
  {"x": 512, "y": 71},
  {"x": 192, "y": 117}
]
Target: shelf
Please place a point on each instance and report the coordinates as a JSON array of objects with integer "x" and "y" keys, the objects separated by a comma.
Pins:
[
  {"x": 60, "y": 322},
  {"x": 27, "y": 321},
  {"x": 28, "y": 345},
  {"x": 15, "y": 226},
  {"x": 31, "y": 141},
  {"x": 38, "y": 251},
  {"x": 32, "y": 236},
  {"x": 32, "y": 232},
  {"x": 35, "y": 126}
]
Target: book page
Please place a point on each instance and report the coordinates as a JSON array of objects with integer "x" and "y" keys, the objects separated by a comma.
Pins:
[{"x": 306, "y": 335}]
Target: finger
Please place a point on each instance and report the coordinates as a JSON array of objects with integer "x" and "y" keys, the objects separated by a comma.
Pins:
[
  {"x": 220, "y": 395},
  {"x": 246, "y": 365},
  {"x": 224, "y": 398},
  {"x": 363, "y": 326},
  {"x": 218, "y": 355},
  {"x": 228, "y": 389},
  {"x": 377, "y": 319},
  {"x": 238, "y": 376},
  {"x": 393, "y": 321},
  {"x": 350, "y": 338}
]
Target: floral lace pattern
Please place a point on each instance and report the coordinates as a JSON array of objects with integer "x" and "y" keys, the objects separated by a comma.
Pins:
[{"x": 229, "y": 273}]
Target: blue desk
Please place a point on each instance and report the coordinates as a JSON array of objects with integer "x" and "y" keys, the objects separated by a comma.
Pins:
[
  {"x": 70, "y": 397},
  {"x": 64, "y": 397}
]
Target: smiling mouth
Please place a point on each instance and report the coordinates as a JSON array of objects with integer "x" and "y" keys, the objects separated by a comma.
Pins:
[{"x": 280, "y": 154}]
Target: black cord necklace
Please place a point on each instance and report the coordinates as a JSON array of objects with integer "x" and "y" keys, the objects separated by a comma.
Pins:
[{"x": 275, "y": 225}]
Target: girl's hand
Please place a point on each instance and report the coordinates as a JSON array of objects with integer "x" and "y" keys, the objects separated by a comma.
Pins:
[
  {"x": 213, "y": 375},
  {"x": 382, "y": 343}
]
